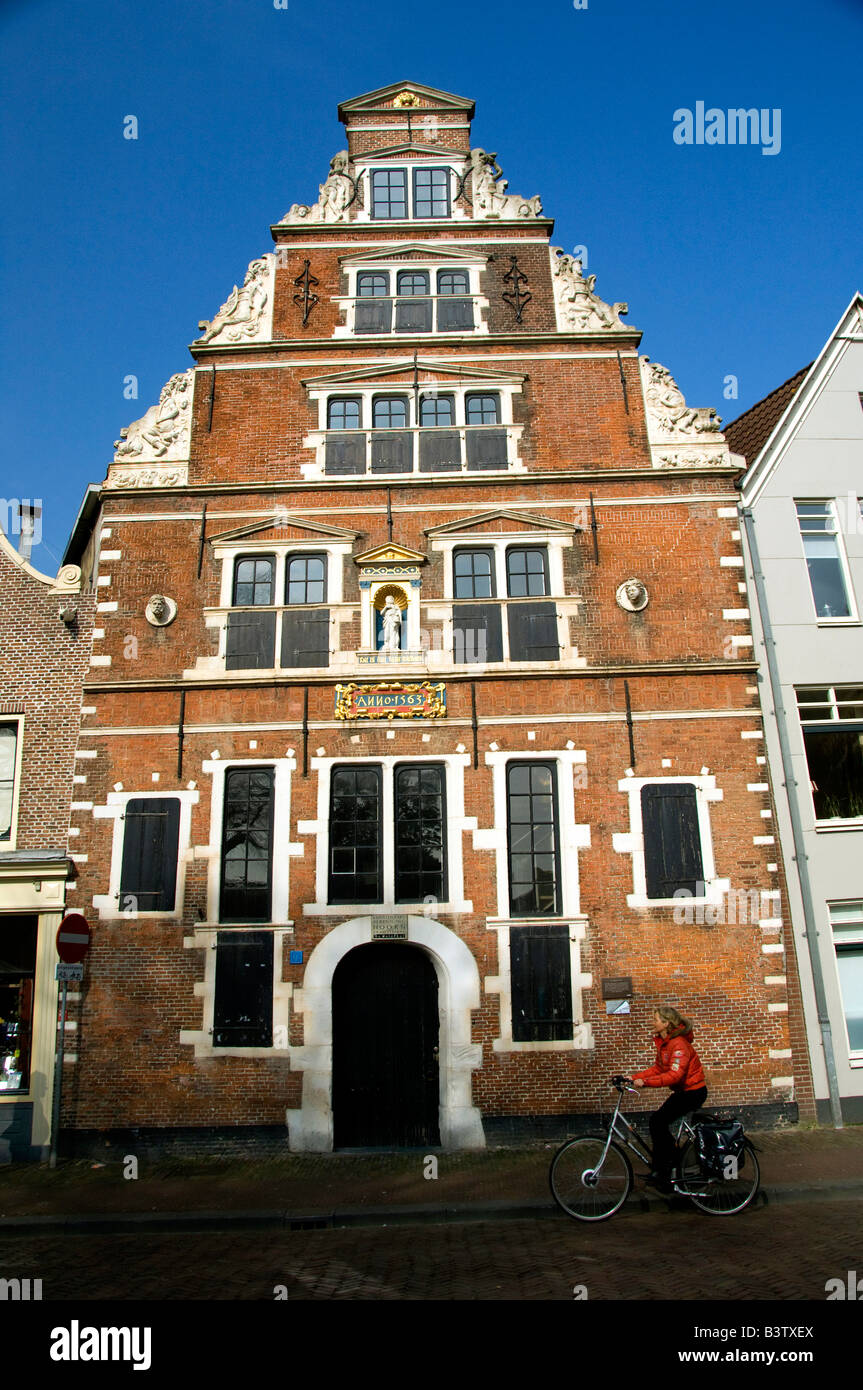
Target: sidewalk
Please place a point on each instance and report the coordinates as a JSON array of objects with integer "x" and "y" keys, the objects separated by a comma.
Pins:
[{"x": 319, "y": 1190}]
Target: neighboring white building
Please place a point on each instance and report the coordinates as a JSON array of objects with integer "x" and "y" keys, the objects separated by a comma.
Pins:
[{"x": 802, "y": 508}]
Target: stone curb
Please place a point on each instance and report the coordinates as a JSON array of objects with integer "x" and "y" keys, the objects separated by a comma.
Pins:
[{"x": 124, "y": 1223}]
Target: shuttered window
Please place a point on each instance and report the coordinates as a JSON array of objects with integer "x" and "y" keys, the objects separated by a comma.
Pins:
[
  {"x": 532, "y": 836},
  {"x": 247, "y": 846},
  {"x": 243, "y": 1005},
  {"x": 355, "y": 835},
  {"x": 477, "y": 635},
  {"x": 150, "y": 842},
  {"x": 420, "y": 820},
  {"x": 672, "y": 842},
  {"x": 251, "y": 637},
  {"x": 306, "y": 638},
  {"x": 533, "y": 632},
  {"x": 541, "y": 983}
]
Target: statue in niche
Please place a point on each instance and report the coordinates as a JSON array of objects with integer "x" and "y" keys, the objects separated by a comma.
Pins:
[
  {"x": 240, "y": 316},
  {"x": 391, "y": 620},
  {"x": 490, "y": 198}
]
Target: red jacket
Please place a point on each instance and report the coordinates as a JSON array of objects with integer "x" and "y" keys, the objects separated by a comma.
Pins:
[{"x": 677, "y": 1063}]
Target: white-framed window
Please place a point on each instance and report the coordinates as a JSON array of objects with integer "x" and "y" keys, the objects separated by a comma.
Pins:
[
  {"x": 826, "y": 562},
  {"x": 11, "y": 751},
  {"x": 831, "y": 723},
  {"x": 421, "y": 190},
  {"x": 429, "y": 296},
  {"x": 276, "y": 604},
  {"x": 390, "y": 430},
  {"x": 149, "y": 853},
  {"x": 670, "y": 841},
  {"x": 846, "y": 922}
]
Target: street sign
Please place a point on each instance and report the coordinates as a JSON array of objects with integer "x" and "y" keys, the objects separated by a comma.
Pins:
[
  {"x": 73, "y": 938},
  {"x": 69, "y": 972}
]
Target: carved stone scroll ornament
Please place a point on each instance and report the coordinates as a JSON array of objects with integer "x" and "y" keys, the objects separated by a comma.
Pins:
[
  {"x": 147, "y": 477},
  {"x": 489, "y": 195},
  {"x": 578, "y": 308},
  {"x": 680, "y": 459},
  {"x": 668, "y": 415},
  {"x": 334, "y": 197},
  {"x": 243, "y": 316},
  {"x": 163, "y": 433}
]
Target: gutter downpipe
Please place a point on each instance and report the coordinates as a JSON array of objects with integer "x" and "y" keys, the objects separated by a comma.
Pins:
[{"x": 800, "y": 857}]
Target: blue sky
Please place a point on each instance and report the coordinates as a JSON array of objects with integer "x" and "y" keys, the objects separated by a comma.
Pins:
[{"x": 732, "y": 261}]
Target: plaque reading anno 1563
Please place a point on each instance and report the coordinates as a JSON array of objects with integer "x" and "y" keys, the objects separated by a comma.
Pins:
[{"x": 392, "y": 700}]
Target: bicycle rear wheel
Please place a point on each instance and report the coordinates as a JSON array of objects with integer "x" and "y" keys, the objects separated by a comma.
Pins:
[
  {"x": 580, "y": 1187},
  {"x": 719, "y": 1196}
]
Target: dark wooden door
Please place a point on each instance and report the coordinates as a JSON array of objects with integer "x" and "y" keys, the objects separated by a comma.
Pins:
[{"x": 385, "y": 1048}]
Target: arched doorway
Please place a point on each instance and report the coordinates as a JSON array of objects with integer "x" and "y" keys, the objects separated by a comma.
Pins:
[{"x": 386, "y": 1082}]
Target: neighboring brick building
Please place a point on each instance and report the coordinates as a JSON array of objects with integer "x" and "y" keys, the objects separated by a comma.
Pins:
[
  {"x": 417, "y": 450},
  {"x": 45, "y": 632}
]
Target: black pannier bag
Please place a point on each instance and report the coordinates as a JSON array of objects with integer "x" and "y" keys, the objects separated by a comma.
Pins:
[{"x": 716, "y": 1141}]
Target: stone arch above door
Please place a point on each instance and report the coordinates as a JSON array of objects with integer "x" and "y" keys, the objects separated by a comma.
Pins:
[{"x": 311, "y": 1127}]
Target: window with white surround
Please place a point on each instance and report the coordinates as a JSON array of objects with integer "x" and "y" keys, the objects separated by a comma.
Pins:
[
  {"x": 670, "y": 840},
  {"x": 831, "y": 721},
  {"x": 10, "y": 776},
  {"x": 399, "y": 192},
  {"x": 428, "y": 299},
  {"x": 829, "y": 579},
  {"x": 152, "y": 832},
  {"x": 846, "y": 921}
]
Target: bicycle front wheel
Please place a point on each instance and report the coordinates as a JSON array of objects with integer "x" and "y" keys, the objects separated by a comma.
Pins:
[
  {"x": 584, "y": 1184},
  {"x": 720, "y": 1196}
]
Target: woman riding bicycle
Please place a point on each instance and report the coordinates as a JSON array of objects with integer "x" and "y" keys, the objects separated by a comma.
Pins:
[{"x": 677, "y": 1065}]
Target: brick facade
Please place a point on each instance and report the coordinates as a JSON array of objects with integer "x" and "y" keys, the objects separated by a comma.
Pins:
[{"x": 168, "y": 716}]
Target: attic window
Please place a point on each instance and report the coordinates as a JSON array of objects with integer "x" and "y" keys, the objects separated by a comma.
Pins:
[{"x": 426, "y": 195}]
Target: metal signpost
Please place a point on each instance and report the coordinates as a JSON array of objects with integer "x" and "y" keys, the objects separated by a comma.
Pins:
[{"x": 73, "y": 943}]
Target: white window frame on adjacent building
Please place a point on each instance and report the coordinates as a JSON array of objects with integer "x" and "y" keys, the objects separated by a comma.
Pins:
[
  {"x": 845, "y": 717},
  {"x": 846, "y": 918},
  {"x": 831, "y": 531},
  {"x": 632, "y": 841},
  {"x": 16, "y": 722}
]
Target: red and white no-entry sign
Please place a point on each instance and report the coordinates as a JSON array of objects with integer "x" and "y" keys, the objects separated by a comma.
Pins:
[{"x": 73, "y": 938}]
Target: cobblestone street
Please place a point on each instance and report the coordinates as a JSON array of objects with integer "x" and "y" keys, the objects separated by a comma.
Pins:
[{"x": 784, "y": 1252}]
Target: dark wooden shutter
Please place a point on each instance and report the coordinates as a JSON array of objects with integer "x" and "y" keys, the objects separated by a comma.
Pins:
[
  {"x": 413, "y": 316},
  {"x": 150, "y": 841},
  {"x": 306, "y": 638},
  {"x": 251, "y": 643},
  {"x": 533, "y": 632},
  {"x": 541, "y": 984},
  {"x": 440, "y": 451},
  {"x": 373, "y": 316},
  {"x": 476, "y": 632},
  {"x": 486, "y": 448},
  {"x": 393, "y": 452},
  {"x": 453, "y": 314},
  {"x": 243, "y": 1005},
  {"x": 672, "y": 843},
  {"x": 345, "y": 453}
]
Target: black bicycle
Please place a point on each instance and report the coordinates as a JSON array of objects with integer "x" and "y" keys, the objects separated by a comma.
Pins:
[{"x": 591, "y": 1176}]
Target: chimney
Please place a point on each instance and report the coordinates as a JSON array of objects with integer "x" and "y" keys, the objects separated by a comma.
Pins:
[{"x": 28, "y": 515}]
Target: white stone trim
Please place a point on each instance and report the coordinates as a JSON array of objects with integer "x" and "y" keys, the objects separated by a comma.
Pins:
[
  {"x": 282, "y": 768},
  {"x": 632, "y": 842},
  {"x": 109, "y": 905},
  {"x": 501, "y": 985},
  {"x": 18, "y": 721},
  {"x": 311, "y": 1126},
  {"x": 205, "y": 939}
]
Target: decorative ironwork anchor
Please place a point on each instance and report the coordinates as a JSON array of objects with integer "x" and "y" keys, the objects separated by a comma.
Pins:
[
  {"x": 517, "y": 298},
  {"x": 306, "y": 299}
]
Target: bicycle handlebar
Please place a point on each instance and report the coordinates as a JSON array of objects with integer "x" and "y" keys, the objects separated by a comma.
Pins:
[{"x": 623, "y": 1083}]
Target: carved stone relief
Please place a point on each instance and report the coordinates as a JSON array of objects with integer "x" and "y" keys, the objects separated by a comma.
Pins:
[
  {"x": 160, "y": 610},
  {"x": 147, "y": 477},
  {"x": 334, "y": 196},
  {"x": 489, "y": 195},
  {"x": 578, "y": 308},
  {"x": 668, "y": 415},
  {"x": 163, "y": 433},
  {"x": 247, "y": 314},
  {"x": 632, "y": 595}
]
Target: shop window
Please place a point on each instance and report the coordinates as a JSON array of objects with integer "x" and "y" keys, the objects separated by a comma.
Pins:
[
  {"x": 8, "y": 762},
  {"x": 243, "y": 1004},
  {"x": 18, "y": 937},
  {"x": 532, "y": 838},
  {"x": 247, "y": 846},
  {"x": 832, "y": 722},
  {"x": 355, "y": 835},
  {"x": 541, "y": 984},
  {"x": 846, "y": 920},
  {"x": 420, "y": 819},
  {"x": 151, "y": 835},
  {"x": 824, "y": 560},
  {"x": 672, "y": 840},
  {"x": 251, "y": 636}
]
